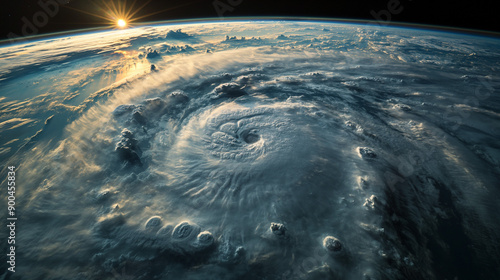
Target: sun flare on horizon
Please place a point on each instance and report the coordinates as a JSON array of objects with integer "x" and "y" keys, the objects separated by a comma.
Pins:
[
  {"x": 121, "y": 13},
  {"x": 121, "y": 23}
]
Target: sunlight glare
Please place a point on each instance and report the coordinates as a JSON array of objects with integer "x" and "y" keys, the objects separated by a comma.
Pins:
[{"x": 121, "y": 23}]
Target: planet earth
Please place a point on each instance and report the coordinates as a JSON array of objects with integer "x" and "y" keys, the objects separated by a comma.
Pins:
[{"x": 253, "y": 149}]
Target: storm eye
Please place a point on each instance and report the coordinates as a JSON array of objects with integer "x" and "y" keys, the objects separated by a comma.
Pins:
[{"x": 250, "y": 136}]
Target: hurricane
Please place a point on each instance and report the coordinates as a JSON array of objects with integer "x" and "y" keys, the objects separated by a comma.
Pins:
[{"x": 293, "y": 150}]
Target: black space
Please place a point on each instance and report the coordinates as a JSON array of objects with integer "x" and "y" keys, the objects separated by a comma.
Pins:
[{"x": 477, "y": 14}]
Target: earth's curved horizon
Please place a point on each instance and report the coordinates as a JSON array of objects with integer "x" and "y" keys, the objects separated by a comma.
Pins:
[
  {"x": 363, "y": 22},
  {"x": 253, "y": 149}
]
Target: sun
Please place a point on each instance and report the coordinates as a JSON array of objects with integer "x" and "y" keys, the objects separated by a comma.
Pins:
[
  {"x": 121, "y": 23},
  {"x": 121, "y": 13}
]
